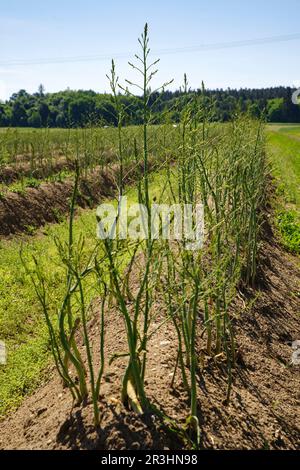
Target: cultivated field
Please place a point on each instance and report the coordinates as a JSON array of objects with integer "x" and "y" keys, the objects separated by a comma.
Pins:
[{"x": 147, "y": 343}]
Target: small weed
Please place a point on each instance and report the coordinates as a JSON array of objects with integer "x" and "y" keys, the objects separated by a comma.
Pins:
[
  {"x": 33, "y": 183},
  {"x": 30, "y": 229},
  {"x": 18, "y": 188}
]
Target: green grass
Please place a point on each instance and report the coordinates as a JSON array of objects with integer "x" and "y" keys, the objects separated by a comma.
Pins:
[
  {"x": 22, "y": 324},
  {"x": 288, "y": 223},
  {"x": 284, "y": 151}
]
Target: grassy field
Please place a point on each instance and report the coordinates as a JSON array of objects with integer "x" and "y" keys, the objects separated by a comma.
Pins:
[
  {"x": 284, "y": 154},
  {"x": 284, "y": 148}
]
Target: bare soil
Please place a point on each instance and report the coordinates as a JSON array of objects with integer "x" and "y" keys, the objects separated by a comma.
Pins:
[
  {"x": 263, "y": 412},
  {"x": 22, "y": 212}
]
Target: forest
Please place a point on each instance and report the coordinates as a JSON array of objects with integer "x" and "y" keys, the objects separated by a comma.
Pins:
[{"x": 82, "y": 108}]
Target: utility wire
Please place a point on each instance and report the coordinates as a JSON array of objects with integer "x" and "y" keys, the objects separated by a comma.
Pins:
[{"x": 176, "y": 50}]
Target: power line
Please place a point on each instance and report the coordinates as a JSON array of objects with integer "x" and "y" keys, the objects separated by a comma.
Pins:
[{"x": 167, "y": 51}]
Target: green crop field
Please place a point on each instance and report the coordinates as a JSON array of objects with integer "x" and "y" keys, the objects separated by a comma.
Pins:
[
  {"x": 284, "y": 151},
  {"x": 21, "y": 316}
]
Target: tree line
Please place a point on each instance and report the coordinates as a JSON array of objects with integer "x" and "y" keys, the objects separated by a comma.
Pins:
[{"x": 81, "y": 108}]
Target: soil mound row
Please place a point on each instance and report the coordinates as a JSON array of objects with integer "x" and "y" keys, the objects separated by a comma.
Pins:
[{"x": 22, "y": 212}]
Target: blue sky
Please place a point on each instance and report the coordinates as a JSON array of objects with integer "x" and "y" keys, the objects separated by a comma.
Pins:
[{"x": 34, "y": 30}]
